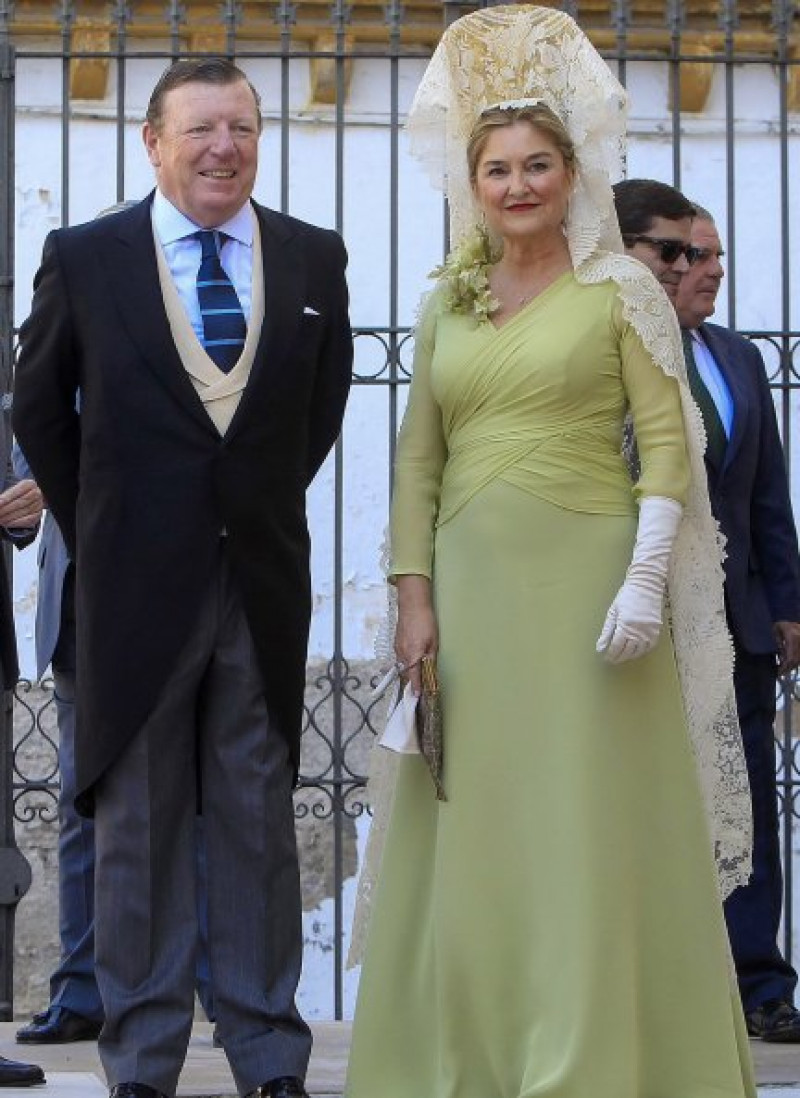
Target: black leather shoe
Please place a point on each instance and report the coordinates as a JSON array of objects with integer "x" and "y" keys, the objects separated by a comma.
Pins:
[
  {"x": 15, "y": 1074},
  {"x": 58, "y": 1026},
  {"x": 134, "y": 1090},
  {"x": 288, "y": 1086},
  {"x": 775, "y": 1020}
]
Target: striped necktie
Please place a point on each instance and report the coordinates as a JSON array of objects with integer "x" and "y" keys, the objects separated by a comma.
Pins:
[
  {"x": 224, "y": 328},
  {"x": 716, "y": 439}
]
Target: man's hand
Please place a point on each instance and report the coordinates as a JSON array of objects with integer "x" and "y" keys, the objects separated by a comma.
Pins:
[
  {"x": 787, "y": 637},
  {"x": 21, "y": 506}
]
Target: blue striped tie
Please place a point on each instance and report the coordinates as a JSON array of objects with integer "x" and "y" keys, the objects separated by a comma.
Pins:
[{"x": 224, "y": 328}]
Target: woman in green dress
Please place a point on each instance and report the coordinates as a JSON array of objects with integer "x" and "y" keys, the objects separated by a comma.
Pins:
[{"x": 554, "y": 929}]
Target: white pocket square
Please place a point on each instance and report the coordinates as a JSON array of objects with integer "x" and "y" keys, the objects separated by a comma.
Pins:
[{"x": 308, "y": 311}]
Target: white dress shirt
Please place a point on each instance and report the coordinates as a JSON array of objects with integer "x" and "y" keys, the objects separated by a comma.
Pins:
[{"x": 713, "y": 380}]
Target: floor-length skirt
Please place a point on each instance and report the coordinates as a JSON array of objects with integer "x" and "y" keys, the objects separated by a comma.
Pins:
[{"x": 553, "y": 929}]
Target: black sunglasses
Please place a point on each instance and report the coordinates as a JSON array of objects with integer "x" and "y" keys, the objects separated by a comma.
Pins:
[
  {"x": 668, "y": 250},
  {"x": 704, "y": 253}
]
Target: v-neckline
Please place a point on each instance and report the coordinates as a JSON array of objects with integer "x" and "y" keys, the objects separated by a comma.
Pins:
[{"x": 498, "y": 328}]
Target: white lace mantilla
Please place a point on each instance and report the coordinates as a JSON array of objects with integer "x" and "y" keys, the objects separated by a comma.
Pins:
[
  {"x": 521, "y": 51},
  {"x": 703, "y": 647},
  {"x": 533, "y": 53}
]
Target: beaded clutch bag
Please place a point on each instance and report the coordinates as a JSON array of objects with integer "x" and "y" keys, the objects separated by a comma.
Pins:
[{"x": 429, "y": 725}]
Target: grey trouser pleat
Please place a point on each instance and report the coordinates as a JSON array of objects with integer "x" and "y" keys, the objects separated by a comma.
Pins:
[{"x": 211, "y": 721}]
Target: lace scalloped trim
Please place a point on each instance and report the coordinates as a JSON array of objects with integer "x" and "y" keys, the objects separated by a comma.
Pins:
[{"x": 703, "y": 647}]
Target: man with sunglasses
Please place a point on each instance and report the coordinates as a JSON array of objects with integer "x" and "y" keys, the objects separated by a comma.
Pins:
[
  {"x": 750, "y": 499},
  {"x": 656, "y": 225}
]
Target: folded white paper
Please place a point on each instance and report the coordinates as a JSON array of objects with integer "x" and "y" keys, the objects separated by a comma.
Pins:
[{"x": 400, "y": 734}]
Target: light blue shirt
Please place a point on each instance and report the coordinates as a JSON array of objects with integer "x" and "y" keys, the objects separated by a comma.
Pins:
[
  {"x": 713, "y": 380},
  {"x": 182, "y": 252}
]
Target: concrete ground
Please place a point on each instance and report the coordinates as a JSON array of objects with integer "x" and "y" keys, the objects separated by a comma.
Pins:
[{"x": 73, "y": 1071}]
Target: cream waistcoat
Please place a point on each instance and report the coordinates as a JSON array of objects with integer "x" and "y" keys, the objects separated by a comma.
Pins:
[{"x": 219, "y": 392}]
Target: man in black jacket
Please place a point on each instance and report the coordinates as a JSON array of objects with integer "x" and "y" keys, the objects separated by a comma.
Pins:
[{"x": 209, "y": 338}]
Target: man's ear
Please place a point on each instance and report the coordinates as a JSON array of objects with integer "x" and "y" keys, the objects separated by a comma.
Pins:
[{"x": 150, "y": 138}]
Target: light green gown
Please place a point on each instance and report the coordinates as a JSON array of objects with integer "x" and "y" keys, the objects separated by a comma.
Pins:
[{"x": 553, "y": 929}]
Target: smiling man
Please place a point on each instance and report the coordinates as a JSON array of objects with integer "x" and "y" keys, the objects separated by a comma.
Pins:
[{"x": 210, "y": 340}]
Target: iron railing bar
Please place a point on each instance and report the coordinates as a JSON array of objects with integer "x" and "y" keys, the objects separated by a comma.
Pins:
[
  {"x": 67, "y": 17},
  {"x": 368, "y": 53},
  {"x": 122, "y": 15},
  {"x": 728, "y": 17},
  {"x": 620, "y": 14},
  {"x": 394, "y": 18},
  {"x": 340, "y": 15},
  {"x": 676, "y": 20},
  {"x": 781, "y": 22},
  {"x": 286, "y": 17}
]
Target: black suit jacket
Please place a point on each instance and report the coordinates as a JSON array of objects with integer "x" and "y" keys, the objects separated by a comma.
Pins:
[
  {"x": 141, "y": 484},
  {"x": 750, "y": 499}
]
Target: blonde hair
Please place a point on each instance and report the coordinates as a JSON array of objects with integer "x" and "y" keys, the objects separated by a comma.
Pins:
[{"x": 538, "y": 115}]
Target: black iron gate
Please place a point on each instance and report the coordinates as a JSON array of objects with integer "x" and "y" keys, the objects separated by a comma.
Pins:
[{"x": 336, "y": 78}]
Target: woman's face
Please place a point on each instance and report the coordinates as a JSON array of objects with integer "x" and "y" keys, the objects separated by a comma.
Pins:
[{"x": 522, "y": 183}]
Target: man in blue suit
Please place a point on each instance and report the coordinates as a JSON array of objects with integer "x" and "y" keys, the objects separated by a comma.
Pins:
[{"x": 750, "y": 499}]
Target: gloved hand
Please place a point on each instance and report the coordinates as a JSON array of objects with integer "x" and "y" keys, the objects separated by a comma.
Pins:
[{"x": 633, "y": 622}]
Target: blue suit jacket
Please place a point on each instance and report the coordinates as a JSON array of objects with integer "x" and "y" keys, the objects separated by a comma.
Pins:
[
  {"x": 750, "y": 499},
  {"x": 53, "y": 561}
]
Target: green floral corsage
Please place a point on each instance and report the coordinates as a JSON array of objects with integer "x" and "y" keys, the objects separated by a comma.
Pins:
[{"x": 465, "y": 279}]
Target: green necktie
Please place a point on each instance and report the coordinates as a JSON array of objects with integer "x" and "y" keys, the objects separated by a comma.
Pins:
[{"x": 717, "y": 440}]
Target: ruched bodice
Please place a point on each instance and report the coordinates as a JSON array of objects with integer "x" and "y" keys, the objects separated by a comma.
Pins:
[{"x": 525, "y": 403}]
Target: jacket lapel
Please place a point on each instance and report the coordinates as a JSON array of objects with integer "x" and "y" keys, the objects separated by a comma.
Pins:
[
  {"x": 734, "y": 380},
  {"x": 130, "y": 260},
  {"x": 284, "y": 289}
]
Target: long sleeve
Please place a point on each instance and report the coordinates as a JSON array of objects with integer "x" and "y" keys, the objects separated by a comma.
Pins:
[
  {"x": 17, "y": 469},
  {"x": 655, "y": 405},
  {"x": 46, "y": 421},
  {"x": 420, "y": 460}
]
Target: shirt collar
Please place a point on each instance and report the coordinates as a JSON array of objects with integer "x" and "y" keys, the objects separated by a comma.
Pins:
[{"x": 172, "y": 225}]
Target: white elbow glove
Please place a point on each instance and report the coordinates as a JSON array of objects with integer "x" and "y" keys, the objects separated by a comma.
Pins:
[{"x": 633, "y": 622}]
